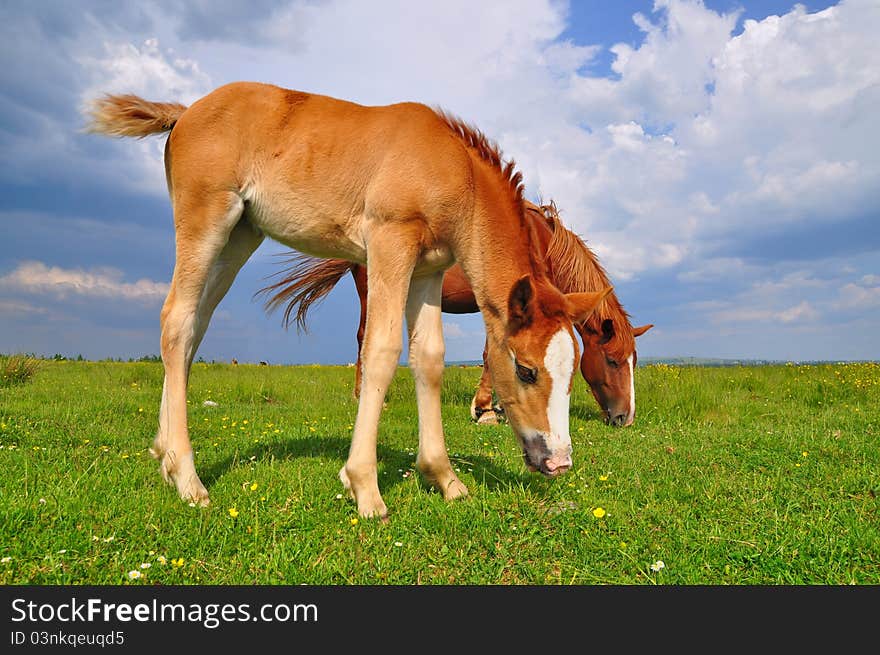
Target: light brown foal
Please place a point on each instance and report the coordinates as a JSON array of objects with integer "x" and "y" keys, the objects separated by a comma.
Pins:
[{"x": 404, "y": 187}]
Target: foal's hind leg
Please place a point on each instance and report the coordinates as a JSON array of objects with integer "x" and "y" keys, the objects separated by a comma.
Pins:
[
  {"x": 242, "y": 243},
  {"x": 426, "y": 351},
  {"x": 205, "y": 264}
]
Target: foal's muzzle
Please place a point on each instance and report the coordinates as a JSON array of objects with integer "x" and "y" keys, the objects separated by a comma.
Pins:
[{"x": 550, "y": 465}]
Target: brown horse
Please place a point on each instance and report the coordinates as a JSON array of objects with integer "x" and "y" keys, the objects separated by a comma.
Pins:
[
  {"x": 609, "y": 355},
  {"x": 407, "y": 188}
]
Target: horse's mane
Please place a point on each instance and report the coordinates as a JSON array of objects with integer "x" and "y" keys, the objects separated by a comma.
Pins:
[
  {"x": 489, "y": 151},
  {"x": 577, "y": 269}
]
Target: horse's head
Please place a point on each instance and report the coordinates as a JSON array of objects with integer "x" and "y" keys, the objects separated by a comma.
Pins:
[
  {"x": 533, "y": 365},
  {"x": 608, "y": 366}
]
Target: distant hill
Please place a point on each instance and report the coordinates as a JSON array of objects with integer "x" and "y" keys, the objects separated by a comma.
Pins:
[
  {"x": 710, "y": 361},
  {"x": 700, "y": 361}
]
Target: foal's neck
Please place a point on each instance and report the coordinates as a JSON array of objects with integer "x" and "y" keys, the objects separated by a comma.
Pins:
[{"x": 498, "y": 251}]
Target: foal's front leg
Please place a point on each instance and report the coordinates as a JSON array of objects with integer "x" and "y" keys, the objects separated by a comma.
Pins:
[{"x": 391, "y": 261}]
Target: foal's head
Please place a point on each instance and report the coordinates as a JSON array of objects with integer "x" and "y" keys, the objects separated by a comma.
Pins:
[{"x": 533, "y": 370}]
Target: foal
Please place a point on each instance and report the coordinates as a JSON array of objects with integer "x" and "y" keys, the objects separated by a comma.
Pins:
[{"x": 404, "y": 187}]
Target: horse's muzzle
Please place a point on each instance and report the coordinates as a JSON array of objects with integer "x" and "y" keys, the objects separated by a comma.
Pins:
[{"x": 549, "y": 466}]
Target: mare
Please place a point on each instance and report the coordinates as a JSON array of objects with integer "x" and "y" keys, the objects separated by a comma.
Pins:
[
  {"x": 409, "y": 188},
  {"x": 609, "y": 353}
]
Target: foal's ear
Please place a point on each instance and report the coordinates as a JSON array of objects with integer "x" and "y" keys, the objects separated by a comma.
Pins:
[
  {"x": 639, "y": 331},
  {"x": 581, "y": 305},
  {"x": 521, "y": 303}
]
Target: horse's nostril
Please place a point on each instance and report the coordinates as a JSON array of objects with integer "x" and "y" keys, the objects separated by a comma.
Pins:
[{"x": 618, "y": 420}]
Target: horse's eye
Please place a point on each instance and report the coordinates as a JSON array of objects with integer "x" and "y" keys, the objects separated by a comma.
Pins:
[
  {"x": 526, "y": 374},
  {"x": 611, "y": 362}
]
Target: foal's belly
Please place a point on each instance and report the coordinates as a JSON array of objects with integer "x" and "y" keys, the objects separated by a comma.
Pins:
[
  {"x": 309, "y": 229},
  {"x": 329, "y": 231}
]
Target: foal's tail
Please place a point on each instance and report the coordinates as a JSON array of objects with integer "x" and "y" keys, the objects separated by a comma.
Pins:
[
  {"x": 129, "y": 115},
  {"x": 306, "y": 281}
]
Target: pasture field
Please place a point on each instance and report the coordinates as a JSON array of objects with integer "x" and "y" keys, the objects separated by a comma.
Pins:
[{"x": 743, "y": 476}]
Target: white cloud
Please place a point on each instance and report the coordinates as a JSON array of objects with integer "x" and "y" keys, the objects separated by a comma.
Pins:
[
  {"x": 768, "y": 128},
  {"x": 154, "y": 73},
  {"x": 802, "y": 312},
  {"x": 34, "y": 277},
  {"x": 860, "y": 296},
  {"x": 452, "y": 330},
  {"x": 144, "y": 69},
  {"x": 11, "y": 308}
]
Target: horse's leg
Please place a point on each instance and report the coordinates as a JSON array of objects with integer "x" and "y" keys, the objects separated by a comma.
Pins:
[
  {"x": 196, "y": 253},
  {"x": 360, "y": 282},
  {"x": 426, "y": 351},
  {"x": 482, "y": 410},
  {"x": 243, "y": 241},
  {"x": 392, "y": 258}
]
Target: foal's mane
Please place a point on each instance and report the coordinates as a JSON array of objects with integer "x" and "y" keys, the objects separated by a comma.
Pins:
[
  {"x": 577, "y": 269},
  {"x": 489, "y": 151}
]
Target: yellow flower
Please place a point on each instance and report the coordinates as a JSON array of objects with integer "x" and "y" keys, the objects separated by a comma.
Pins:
[
  {"x": 603, "y": 478},
  {"x": 233, "y": 512},
  {"x": 254, "y": 486},
  {"x": 178, "y": 562},
  {"x": 805, "y": 453},
  {"x": 354, "y": 521},
  {"x": 598, "y": 512}
]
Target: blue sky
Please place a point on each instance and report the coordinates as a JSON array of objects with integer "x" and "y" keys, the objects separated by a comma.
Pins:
[{"x": 721, "y": 157}]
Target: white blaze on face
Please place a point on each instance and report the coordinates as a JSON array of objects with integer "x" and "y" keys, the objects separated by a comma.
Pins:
[
  {"x": 559, "y": 362},
  {"x": 632, "y": 392}
]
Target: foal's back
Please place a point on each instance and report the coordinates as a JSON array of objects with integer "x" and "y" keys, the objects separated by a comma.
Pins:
[{"x": 319, "y": 173}]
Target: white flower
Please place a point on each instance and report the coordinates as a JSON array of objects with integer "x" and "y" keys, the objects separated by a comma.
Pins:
[
  {"x": 42, "y": 501},
  {"x": 6, "y": 560},
  {"x": 656, "y": 566},
  {"x": 134, "y": 575},
  {"x": 398, "y": 543},
  {"x": 146, "y": 565}
]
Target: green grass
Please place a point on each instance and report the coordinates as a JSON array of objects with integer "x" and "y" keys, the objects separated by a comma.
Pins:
[
  {"x": 753, "y": 475},
  {"x": 17, "y": 369}
]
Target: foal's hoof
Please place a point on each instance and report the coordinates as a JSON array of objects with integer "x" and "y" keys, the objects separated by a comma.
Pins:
[
  {"x": 455, "y": 490},
  {"x": 371, "y": 506},
  {"x": 373, "y": 511},
  {"x": 343, "y": 477},
  {"x": 489, "y": 417},
  {"x": 182, "y": 474}
]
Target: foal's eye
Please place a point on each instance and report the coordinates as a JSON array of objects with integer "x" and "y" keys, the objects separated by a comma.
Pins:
[
  {"x": 611, "y": 362},
  {"x": 526, "y": 374}
]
